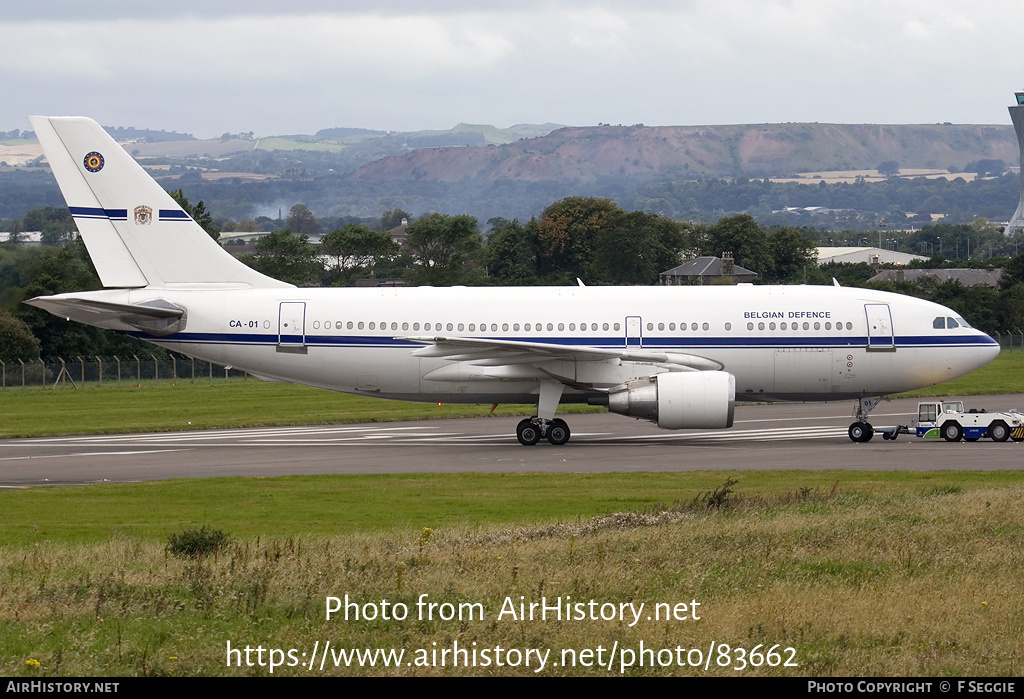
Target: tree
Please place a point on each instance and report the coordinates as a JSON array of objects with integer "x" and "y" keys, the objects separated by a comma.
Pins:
[
  {"x": 512, "y": 253},
  {"x": 393, "y": 219},
  {"x": 890, "y": 168},
  {"x": 16, "y": 339},
  {"x": 741, "y": 236},
  {"x": 634, "y": 248},
  {"x": 567, "y": 232},
  {"x": 285, "y": 256},
  {"x": 354, "y": 247},
  {"x": 441, "y": 246},
  {"x": 198, "y": 213},
  {"x": 302, "y": 221},
  {"x": 792, "y": 253}
]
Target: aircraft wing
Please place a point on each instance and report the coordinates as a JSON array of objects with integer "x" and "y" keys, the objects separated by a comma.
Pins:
[
  {"x": 156, "y": 317},
  {"x": 502, "y": 353}
]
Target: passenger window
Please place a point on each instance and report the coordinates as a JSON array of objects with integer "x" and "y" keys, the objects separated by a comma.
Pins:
[
  {"x": 693, "y": 326},
  {"x": 461, "y": 326},
  {"x": 782, "y": 326},
  {"x": 572, "y": 327},
  {"x": 616, "y": 326},
  {"x": 750, "y": 326},
  {"x": 450, "y": 327},
  {"x": 604, "y": 326},
  {"x": 661, "y": 326},
  {"x": 372, "y": 326},
  {"x": 728, "y": 326},
  {"x": 771, "y": 326},
  {"x": 706, "y": 326},
  {"x": 350, "y": 325}
]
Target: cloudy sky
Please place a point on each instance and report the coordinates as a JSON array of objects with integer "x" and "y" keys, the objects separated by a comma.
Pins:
[{"x": 275, "y": 67}]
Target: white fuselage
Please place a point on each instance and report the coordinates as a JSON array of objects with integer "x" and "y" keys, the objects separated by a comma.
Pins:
[{"x": 781, "y": 343}]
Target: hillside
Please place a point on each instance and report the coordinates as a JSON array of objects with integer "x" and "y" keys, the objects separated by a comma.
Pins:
[{"x": 588, "y": 153}]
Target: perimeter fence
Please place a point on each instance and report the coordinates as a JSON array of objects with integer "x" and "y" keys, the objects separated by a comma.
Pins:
[
  {"x": 97, "y": 372},
  {"x": 72, "y": 372}
]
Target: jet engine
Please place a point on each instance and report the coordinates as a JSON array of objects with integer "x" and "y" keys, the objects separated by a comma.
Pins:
[{"x": 679, "y": 400}]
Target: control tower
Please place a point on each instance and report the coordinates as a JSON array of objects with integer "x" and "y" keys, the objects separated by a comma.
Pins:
[{"x": 1017, "y": 117}]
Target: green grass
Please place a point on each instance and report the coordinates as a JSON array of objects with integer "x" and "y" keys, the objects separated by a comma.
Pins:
[
  {"x": 348, "y": 504},
  {"x": 1004, "y": 374},
  {"x": 866, "y": 575},
  {"x": 155, "y": 406},
  {"x": 163, "y": 406}
]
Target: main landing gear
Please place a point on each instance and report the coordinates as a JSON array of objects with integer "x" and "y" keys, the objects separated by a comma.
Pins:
[
  {"x": 530, "y": 431},
  {"x": 545, "y": 424},
  {"x": 862, "y": 431}
]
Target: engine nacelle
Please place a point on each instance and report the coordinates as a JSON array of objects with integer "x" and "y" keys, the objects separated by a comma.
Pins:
[{"x": 680, "y": 400}]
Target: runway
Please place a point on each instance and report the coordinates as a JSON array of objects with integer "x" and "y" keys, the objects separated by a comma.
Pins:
[{"x": 780, "y": 436}]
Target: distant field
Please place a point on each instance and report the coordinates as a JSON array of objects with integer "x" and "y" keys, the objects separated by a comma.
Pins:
[{"x": 275, "y": 143}]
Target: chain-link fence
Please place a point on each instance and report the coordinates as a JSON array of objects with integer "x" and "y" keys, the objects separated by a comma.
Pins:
[{"x": 72, "y": 372}]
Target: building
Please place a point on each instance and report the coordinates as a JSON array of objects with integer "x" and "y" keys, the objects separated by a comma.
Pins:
[
  {"x": 967, "y": 277},
  {"x": 705, "y": 270},
  {"x": 873, "y": 256}
]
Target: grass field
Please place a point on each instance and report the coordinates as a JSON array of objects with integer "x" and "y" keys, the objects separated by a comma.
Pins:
[
  {"x": 156, "y": 406},
  {"x": 871, "y": 574},
  {"x": 858, "y": 573}
]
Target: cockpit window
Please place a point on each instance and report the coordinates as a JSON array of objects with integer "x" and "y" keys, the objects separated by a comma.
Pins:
[
  {"x": 963, "y": 323},
  {"x": 939, "y": 323},
  {"x": 950, "y": 323}
]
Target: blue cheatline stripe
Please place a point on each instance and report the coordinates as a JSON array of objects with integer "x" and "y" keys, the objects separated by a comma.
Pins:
[
  {"x": 662, "y": 344},
  {"x": 96, "y": 212},
  {"x": 173, "y": 215}
]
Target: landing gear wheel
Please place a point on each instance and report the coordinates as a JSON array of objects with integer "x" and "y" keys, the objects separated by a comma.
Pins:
[
  {"x": 999, "y": 431},
  {"x": 558, "y": 432},
  {"x": 952, "y": 432},
  {"x": 528, "y": 433},
  {"x": 861, "y": 432}
]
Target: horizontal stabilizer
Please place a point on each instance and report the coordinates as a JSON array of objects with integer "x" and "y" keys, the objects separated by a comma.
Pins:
[{"x": 156, "y": 317}]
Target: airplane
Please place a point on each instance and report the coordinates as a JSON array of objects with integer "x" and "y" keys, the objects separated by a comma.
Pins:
[{"x": 679, "y": 356}]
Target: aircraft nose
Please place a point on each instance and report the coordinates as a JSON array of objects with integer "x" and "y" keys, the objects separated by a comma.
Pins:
[{"x": 989, "y": 350}]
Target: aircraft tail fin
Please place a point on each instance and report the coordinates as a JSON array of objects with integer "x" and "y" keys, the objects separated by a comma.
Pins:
[{"x": 136, "y": 234}]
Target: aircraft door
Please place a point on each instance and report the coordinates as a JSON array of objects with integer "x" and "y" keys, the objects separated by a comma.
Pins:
[
  {"x": 880, "y": 334},
  {"x": 291, "y": 329},
  {"x": 634, "y": 332}
]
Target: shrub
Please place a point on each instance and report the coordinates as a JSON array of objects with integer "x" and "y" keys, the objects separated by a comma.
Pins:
[{"x": 196, "y": 543}]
